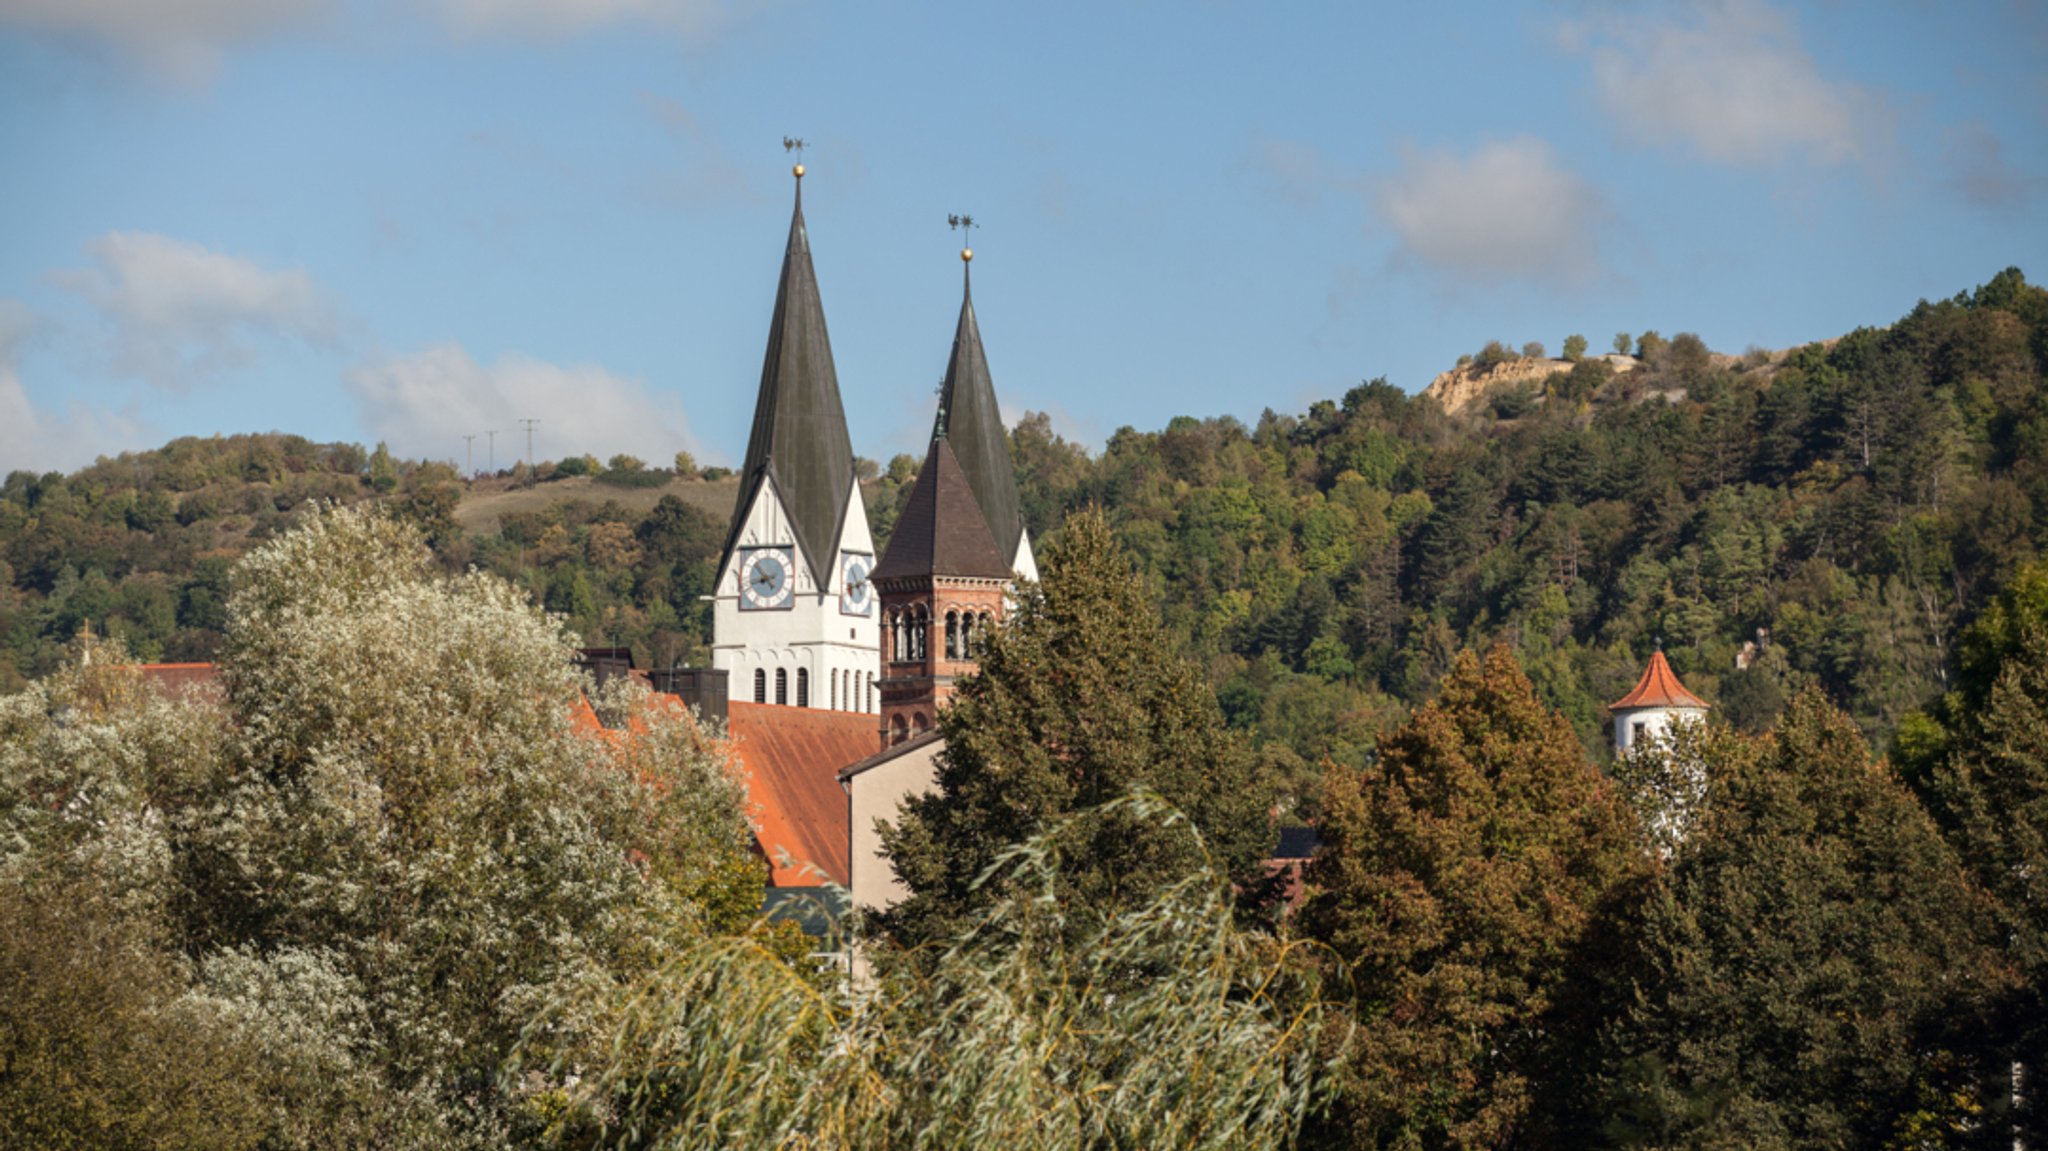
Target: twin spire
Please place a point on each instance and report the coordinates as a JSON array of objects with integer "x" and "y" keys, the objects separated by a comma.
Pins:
[
  {"x": 799, "y": 439},
  {"x": 964, "y": 513},
  {"x": 970, "y": 421}
]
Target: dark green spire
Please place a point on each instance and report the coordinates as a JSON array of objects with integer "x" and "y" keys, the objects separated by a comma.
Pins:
[
  {"x": 799, "y": 435},
  {"x": 969, "y": 419}
]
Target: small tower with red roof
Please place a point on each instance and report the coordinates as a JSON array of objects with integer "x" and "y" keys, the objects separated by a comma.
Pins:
[{"x": 1658, "y": 704}]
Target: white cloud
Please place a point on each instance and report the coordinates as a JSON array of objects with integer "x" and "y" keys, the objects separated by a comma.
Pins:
[
  {"x": 182, "y": 40},
  {"x": 548, "y": 19},
  {"x": 34, "y": 440},
  {"x": 423, "y": 404},
  {"x": 1506, "y": 211},
  {"x": 180, "y": 313},
  {"x": 1730, "y": 80}
]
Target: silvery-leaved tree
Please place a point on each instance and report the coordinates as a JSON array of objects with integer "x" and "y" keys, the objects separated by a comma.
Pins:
[{"x": 388, "y": 842}]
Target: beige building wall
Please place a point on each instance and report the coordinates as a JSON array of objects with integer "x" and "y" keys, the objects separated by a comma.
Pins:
[{"x": 876, "y": 792}]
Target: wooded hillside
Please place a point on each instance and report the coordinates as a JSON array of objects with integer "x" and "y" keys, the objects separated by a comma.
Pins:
[{"x": 1833, "y": 516}]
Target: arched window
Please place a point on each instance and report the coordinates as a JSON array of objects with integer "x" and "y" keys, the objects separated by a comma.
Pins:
[
  {"x": 921, "y": 723},
  {"x": 803, "y": 687},
  {"x": 953, "y": 635},
  {"x": 970, "y": 639},
  {"x": 871, "y": 692},
  {"x": 781, "y": 685},
  {"x": 920, "y": 625},
  {"x": 897, "y": 730},
  {"x": 834, "y": 689},
  {"x": 760, "y": 685}
]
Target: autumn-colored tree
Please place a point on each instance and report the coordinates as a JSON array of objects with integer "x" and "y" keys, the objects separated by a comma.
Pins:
[
  {"x": 1079, "y": 700},
  {"x": 1459, "y": 872}
]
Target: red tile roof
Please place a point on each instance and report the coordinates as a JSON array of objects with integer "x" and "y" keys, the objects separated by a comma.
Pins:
[
  {"x": 180, "y": 678},
  {"x": 1659, "y": 687},
  {"x": 793, "y": 756}
]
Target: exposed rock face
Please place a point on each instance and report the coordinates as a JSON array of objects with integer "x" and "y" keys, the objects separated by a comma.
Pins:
[{"x": 1459, "y": 388}]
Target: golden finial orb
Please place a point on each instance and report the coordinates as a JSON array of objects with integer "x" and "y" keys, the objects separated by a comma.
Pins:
[
  {"x": 966, "y": 255},
  {"x": 798, "y": 171}
]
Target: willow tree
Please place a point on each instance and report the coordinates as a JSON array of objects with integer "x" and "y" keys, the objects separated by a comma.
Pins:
[{"x": 1025, "y": 1031}]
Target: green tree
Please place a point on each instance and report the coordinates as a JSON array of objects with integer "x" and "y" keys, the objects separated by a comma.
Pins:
[
  {"x": 1458, "y": 875},
  {"x": 1574, "y": 347},
  {"x": 1811, "y": 971},
  {"x": 383, "y": 469},
  {"x": 1991, "y": 792},
  {"x": 1079, "y": 700},
  {"x": 1622, "y": 343}
]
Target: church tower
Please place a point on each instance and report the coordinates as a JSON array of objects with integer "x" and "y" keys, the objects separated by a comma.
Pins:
[
  {"x": 794, "y": 613},
  {"x": 959, "y": 546}
]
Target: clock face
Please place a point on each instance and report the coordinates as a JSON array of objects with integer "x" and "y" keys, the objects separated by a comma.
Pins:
[
  {"x": 766, "y": 578},
  {"x": 856, "y": 594}
]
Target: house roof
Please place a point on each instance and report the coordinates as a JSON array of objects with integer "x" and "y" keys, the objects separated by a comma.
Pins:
[
  {"x": 942, "y": 530},
  {"x": 891, "y": 752},
  {"x": 180, "y": 678},
  {"x": 1659, "y": 687},
  {"x": 969, "y": 417},
  {"x": 799, "y": 435},
  {"x": 793, "y": 756}
]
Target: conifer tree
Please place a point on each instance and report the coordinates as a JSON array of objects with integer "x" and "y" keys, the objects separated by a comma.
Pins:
[
  {"x": 1458, "y": 874},
  {"x": 1992, "y": 794},
  {"x": 1810, "y": 973},
  {"x": 1079, "y": 700}
]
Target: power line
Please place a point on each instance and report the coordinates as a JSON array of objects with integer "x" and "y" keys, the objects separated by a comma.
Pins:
[{"x": 529, "y": 441}]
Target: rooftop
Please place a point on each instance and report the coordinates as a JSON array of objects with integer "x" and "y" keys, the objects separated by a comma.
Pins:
[
  {"x": 793, "y": 756},
  {"x": 1659, "y": 687}
]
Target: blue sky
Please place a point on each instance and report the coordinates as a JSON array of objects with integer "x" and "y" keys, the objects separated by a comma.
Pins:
[{"x": 366, "y": 220}]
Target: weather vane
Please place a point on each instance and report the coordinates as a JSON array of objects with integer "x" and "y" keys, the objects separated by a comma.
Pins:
[
  {"x": 795, "y": 144},
  {"x": 962, "y": 223}
]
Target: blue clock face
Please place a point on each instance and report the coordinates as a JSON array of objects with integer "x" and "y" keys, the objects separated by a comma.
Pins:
[
  {"x": 766, "y": 578},
  {"x": 856, "y": 593}
]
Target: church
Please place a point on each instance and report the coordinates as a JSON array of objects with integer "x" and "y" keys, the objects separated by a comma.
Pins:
[{"x": 836, "y": 660}]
